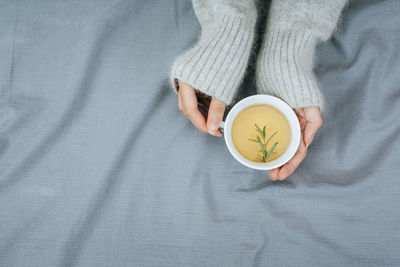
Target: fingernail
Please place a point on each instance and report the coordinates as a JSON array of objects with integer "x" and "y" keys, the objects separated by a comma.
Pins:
[{"x": 214, "y": 123}]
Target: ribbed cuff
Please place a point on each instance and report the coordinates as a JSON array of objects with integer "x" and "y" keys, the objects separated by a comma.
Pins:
[
  {"x": 285, "y": 68},
  {"x": 217, "y": 63}
]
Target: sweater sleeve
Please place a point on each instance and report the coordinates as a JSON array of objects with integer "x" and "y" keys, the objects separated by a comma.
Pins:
[
  {"x": 217, "y": 62},
  {"x": 285, "y": 64}
]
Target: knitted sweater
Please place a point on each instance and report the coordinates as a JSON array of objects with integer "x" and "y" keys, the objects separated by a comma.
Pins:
[{"x": 217, "y": 63}]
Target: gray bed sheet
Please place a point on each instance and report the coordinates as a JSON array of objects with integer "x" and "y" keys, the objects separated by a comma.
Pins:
[{"x": 99, "y": 168}]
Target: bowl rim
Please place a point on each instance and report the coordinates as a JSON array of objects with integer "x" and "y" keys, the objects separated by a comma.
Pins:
[{"x": 285, "y": 109}]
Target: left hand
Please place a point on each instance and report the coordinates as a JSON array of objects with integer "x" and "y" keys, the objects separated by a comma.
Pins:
[
  {"x": 310, "y": 121},
  {"x": 188, "y": 103}
]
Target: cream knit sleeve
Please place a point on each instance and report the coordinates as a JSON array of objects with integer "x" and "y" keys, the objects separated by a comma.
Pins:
[
  {"x": 285, "y": 63},
  {"x": 217, "y": 62}
]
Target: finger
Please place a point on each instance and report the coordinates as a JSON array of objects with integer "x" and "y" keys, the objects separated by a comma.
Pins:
[
  {"x": 314, "y": 122},
  {"x": 189, "y": 107},
  {"x": 303, "y": 123},
  {"x": 299, "y": 112},
  {"x": 294, "y": 162},
  {"x": 273, "y": 174},
  {"x": 179, "y": 101},
  {"x": 302, "y": 119},
  {"x": 215, "y": 115}
]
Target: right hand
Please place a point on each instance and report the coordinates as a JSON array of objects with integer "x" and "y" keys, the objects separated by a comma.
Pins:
[
  {"x": 187, "y": 103},
  {"x": 310, "y": 121}
]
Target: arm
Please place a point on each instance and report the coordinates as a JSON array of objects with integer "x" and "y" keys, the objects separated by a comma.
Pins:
[
  {"x": 285, "y": 65},
  {"x": 216, "y": 64}
]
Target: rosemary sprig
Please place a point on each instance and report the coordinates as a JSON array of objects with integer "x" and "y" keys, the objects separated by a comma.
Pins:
[{"x": 266, "y": 153}]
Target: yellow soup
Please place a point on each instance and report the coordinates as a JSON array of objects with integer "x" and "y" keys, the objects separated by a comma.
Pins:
[{"x": 244, "y": 128}]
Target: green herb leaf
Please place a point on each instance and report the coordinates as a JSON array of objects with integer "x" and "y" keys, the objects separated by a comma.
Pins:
[
  {"x": 263, "y": 133},
  {"x": 271, "y": 150},
  {"x": 269, "y": 139},
  {"x": 258, "y": 129},
  {"x": 261, "y": 145}
]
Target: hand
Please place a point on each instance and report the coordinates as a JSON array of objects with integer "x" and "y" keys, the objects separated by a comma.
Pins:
[
  {"x": 310, "y": 121},
  {"x": 188, "y": 104}
]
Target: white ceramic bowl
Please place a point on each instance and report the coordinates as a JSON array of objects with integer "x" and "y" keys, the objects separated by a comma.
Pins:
[{"x": 285, "y": 109}]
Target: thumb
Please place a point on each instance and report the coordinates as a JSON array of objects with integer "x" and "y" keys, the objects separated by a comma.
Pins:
[{"x": 215, "y": 115}]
